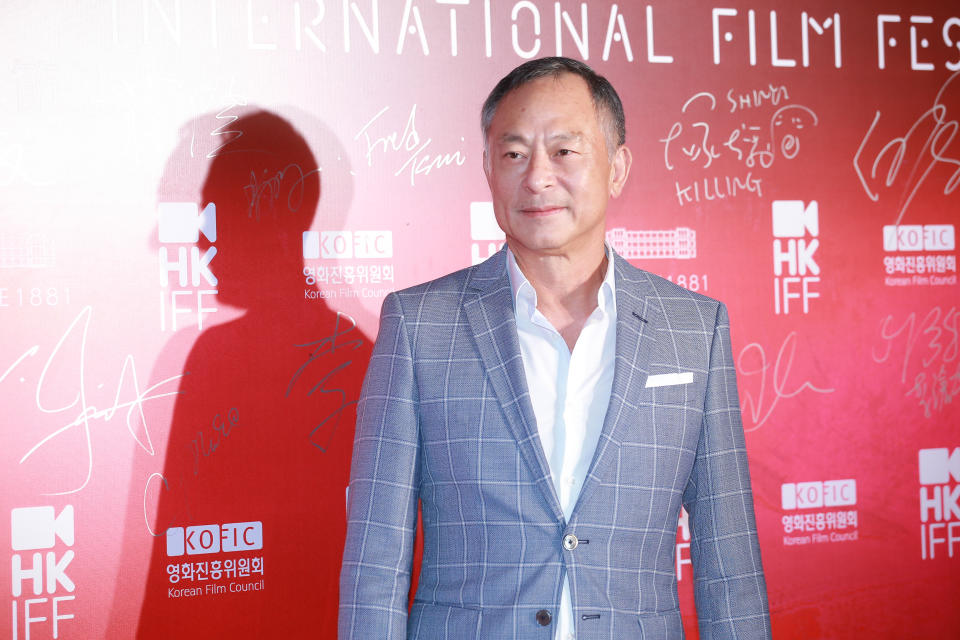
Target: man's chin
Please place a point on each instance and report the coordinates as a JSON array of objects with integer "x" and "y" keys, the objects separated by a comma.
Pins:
[{"x": 545, "y": 246}]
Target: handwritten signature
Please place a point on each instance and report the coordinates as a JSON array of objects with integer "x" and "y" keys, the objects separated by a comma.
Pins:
[
  {"x": 935, "y": 390},
  {"x": 745, "y": 142},
  {"x": 319, "y": 348},
  {"x": 407, "y": 141},
  {"x": 932, "y": 386},
  {"x": 926, "y": 155},
  {"x": 79, "y": 411},
  {"x": 176, "y": 498},
  {"x": 269, "y": 187},
  {"x": 205, "y": 445},
  {"x": 934, "y": 324},
  {"x": 756, "y": 407},
  {"x": 223, "y": 129}
]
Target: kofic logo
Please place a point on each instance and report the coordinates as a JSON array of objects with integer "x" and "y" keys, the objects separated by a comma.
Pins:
[
  {"x": 182, "y": 223},
  {"x": 347, "y": 244},
  {"x": 939, "y": 500},
  {"x": 484, "y": 230},
  {"x": 792, "y": 222},
  {"x": 914, "y": 237},
  {"x": 811, "y": 495},
  {"x": 819, "y": 512},
  {"x": 214, "y": 538},
  {"x": 31, "y": 529}
]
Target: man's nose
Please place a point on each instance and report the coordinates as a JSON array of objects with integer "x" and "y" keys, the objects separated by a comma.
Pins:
[{"x": 539, "y": 174}]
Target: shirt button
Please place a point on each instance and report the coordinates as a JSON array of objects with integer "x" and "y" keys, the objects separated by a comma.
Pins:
[
  {"x": 543, "y": 617},
  {"x": 570, "y": 542}
]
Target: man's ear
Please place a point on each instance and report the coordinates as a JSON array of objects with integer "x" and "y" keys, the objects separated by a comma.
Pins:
[
  {"x": 486, "y": 165},
  {"x": 619, "y": 170}
]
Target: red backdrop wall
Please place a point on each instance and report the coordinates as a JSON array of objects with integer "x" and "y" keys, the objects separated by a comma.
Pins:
[{"x": 205, "y": 203}]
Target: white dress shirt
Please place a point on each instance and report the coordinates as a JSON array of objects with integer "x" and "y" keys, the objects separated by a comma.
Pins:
[{"x": 569, "y": 390}]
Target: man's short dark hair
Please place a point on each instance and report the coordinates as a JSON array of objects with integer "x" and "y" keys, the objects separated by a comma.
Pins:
[{"x": 605, "y": 98}]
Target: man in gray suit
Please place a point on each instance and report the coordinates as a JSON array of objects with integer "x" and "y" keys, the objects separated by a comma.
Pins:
[{"x": 551, "y": 409}]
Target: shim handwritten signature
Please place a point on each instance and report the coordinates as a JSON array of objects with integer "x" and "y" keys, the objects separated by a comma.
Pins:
[{"x": 756, "y": 146}]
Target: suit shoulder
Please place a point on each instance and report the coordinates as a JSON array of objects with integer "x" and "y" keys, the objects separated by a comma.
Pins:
[
  {"x": 439, "y": 293},
  {"x": 671, "y": 295},
  {"x": 666, "y": 288}
]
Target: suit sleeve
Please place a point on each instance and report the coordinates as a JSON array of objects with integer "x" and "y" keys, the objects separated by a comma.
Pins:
[
  {"x": 384, "y": 478},
  {"x": 729, "y": 587}
]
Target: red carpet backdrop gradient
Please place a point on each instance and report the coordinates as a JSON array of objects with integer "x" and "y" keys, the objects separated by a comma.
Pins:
[{"x": 204, "y": 204}]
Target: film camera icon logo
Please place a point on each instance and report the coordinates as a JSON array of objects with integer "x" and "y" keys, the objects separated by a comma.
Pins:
[
  {"x": 938, "y": 466},
  {"x": 39, "y": 527},
  {"x": 182, "y": 222},
  {"x": 792, "y": 220}
]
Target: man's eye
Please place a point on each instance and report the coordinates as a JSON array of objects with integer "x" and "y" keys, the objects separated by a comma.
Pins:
[
  {"x": 565, "y": 152},
  {"x": 513, "y": 155}
]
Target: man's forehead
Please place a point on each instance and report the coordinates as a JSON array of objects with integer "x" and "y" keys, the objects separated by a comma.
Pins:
[
  {"x": 560, "y": 135},
  {"x": 569, "y": 84},
  {"x": 544, "y": 98}
]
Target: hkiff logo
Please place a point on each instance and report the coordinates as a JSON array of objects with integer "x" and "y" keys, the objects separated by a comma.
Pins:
[
  {"x": 812, "y": 495},
  {"x": 793, "y": 221},
  {"x": 214, "y": 538},
  {"x": 939, "y": 501},
  {"x": 182, "y": 223},
  {"x": 33, "y": 529}
]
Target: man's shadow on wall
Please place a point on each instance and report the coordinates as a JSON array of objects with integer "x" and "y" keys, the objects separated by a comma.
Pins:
[{"x": 262, "y": 428}]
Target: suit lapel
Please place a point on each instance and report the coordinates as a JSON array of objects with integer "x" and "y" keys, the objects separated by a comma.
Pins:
[
  {"x": 493, "y": 324},
  {"x": 639, "y": 320}
]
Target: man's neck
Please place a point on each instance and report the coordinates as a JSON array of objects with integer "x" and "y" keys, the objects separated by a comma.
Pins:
[{"x": 566, "y": 286}]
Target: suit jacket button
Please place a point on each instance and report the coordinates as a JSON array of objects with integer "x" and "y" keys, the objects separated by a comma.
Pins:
[
  {"x": 543, "y": 617},
  {"x": 570, "y": 542}
]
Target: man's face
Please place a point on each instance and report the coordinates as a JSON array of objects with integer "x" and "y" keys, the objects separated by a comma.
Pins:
[{"x": 549, "y": 170}]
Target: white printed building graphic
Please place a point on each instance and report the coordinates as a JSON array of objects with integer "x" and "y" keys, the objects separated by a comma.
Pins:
[
  {"x": 679, "y": 243},
  {"x": 26, "y": 251}
]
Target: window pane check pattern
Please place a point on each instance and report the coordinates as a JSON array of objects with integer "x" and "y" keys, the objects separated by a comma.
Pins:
[{"x": 445, "y": 418}]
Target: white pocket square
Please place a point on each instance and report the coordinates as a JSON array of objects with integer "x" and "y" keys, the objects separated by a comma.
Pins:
[{"x": 669, "y": 379}]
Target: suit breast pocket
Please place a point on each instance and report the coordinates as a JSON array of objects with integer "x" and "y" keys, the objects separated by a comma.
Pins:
[
  {"x": 676, "y": 408},
  {"x": 672, "y": 389}
]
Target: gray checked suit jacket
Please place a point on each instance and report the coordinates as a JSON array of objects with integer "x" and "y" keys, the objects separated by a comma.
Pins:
[{"x": 445, "y": 417}]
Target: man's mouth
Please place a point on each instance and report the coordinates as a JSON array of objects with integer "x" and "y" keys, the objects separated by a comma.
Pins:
[{"x": 542, "y": 210}]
